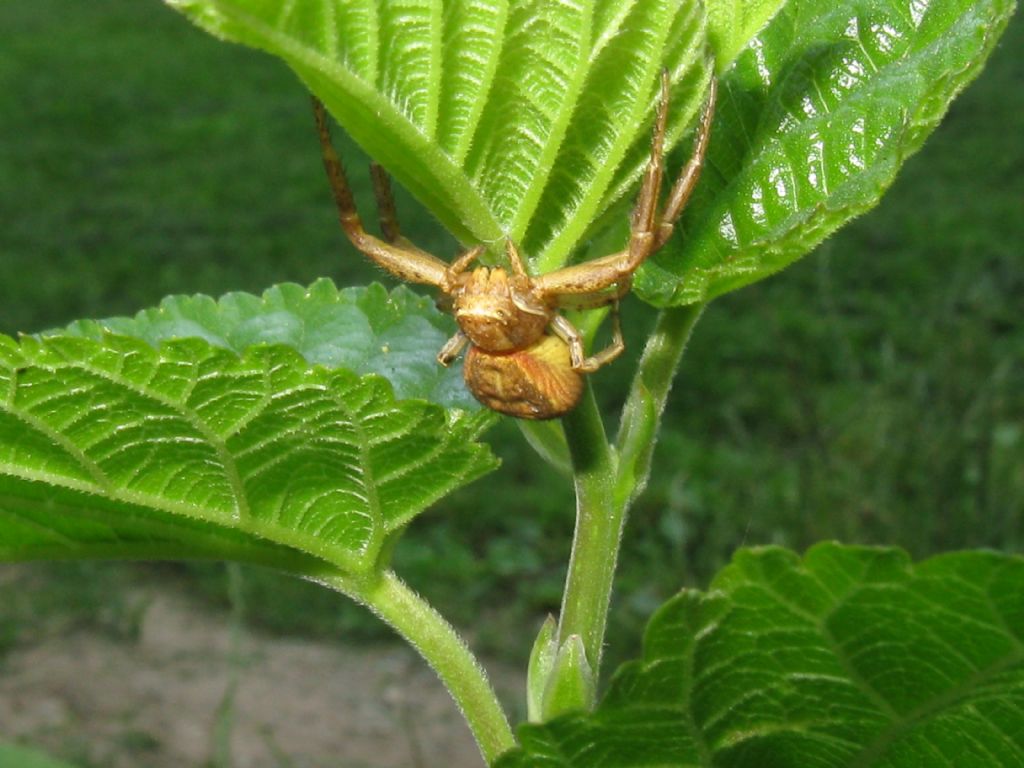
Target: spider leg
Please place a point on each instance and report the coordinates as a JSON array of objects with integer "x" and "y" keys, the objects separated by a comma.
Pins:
[
  {"x": 564, "y": 329},
  {"x": 405, "y": 262},
  {"x": 462, "y": 263},
  {"x": 452, "y": 348},
  {"x": 648, "y": 231},
  {"x": 641, "y": 240},
  {"x": 688, "y": 177},
  {"x": 385, "y": 204},
  {"x": 387, "y": 213},
  {"x": 450, "y": 283},
  {"x": 571, "y": 335},
  {"x": 597, "y": 298},
  {"x": 515, "y": 260},
  {"x": 613, "y": 350}
]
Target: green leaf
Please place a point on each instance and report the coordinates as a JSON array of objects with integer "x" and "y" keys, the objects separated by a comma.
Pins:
[
  {"x": 365, "y": 330},
  {"x": 733, "y": 23},
  {"x": 815, "y": 119},
  {"x": 111, "y": 448},
  {"x": 22, "y": 757},
  {"x": 538, "y": 671},
  {"x": 524, "y": 119},
  {"x": 571, "y": 684},
  {"x": 848, "y": 657}
]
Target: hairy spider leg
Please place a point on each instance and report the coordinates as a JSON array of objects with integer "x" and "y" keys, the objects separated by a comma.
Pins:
[
  {"x": 461, "y": 264},
  {"x": 452, "y": 348},
  {"x": 405, "y": 262},
  {"x": 648, "y": 231},
  {"x": 645, "y": 212},
  {"x": 386, "y": 212},
  {"x": 515, "y": 260},
  {"x": 679, "y": 195},
  {"x": 570, "y": 334}
]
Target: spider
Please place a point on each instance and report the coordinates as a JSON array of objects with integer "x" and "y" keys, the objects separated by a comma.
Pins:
[{"x": 525, "y": 358}]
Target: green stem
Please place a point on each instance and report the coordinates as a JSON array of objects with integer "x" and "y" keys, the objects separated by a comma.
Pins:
[
  {"x": 599, "y": 520},
  {"x": 442, "y": 648},
  {"x": 641, "y": 416},
  {"x": 608, "y": 479}
]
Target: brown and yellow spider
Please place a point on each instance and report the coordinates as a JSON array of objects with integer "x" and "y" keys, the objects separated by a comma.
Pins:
[{"x": 525, "y": 359}]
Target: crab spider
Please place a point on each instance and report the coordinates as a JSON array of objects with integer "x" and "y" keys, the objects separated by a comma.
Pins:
[{"x": 524, "y": 357}]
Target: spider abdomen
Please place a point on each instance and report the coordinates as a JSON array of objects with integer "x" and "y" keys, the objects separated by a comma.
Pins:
[{"x": 533, "y": 383}]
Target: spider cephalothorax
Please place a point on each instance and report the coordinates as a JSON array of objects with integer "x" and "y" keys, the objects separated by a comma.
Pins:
[
  {"x": 497, "y": 311},
  {"x": 525, "y": 358}
]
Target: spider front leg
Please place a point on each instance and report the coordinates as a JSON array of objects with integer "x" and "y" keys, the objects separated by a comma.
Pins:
[
  {"x": 648, "y": 230},
  {"x": 679, "y": 196},
  {"x": 404, "y": 261}
]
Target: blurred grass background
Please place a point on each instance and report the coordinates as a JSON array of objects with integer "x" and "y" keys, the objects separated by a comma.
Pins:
[{"x": 872, "y": 393}]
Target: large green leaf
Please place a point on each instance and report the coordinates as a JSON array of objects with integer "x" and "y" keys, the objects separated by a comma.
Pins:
[
  {"x": 520, "y": 118},
  {"x": 365, "y": 330},
  {"x": 110, "y": 447},
  {"x": 814, "y": 121},
  {"x": 849, "y": 657}
]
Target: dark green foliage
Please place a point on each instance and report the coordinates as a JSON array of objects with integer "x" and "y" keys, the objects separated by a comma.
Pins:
[{"x": 849, "y": 657}]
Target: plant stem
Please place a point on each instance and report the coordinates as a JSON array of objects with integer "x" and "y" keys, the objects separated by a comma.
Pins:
[
  {"x": 599, "y": 519},
  {"x": 641, "y": 416},
  {"x": 442, "y": 648},
  {"x": 608, "y": 479}
]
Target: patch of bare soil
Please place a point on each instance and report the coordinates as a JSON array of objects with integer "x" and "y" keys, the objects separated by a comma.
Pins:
[{"x": 154, "y": 703}]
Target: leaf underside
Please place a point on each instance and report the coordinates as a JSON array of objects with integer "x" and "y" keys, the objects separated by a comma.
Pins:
[
  {"x": 110, "y": 447},
  {"x": 522, "y": 119},
  {"x": 848, "y": 657},
  {"x": 732, "y": 24},
  {"x": 530, "y": 120}
]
